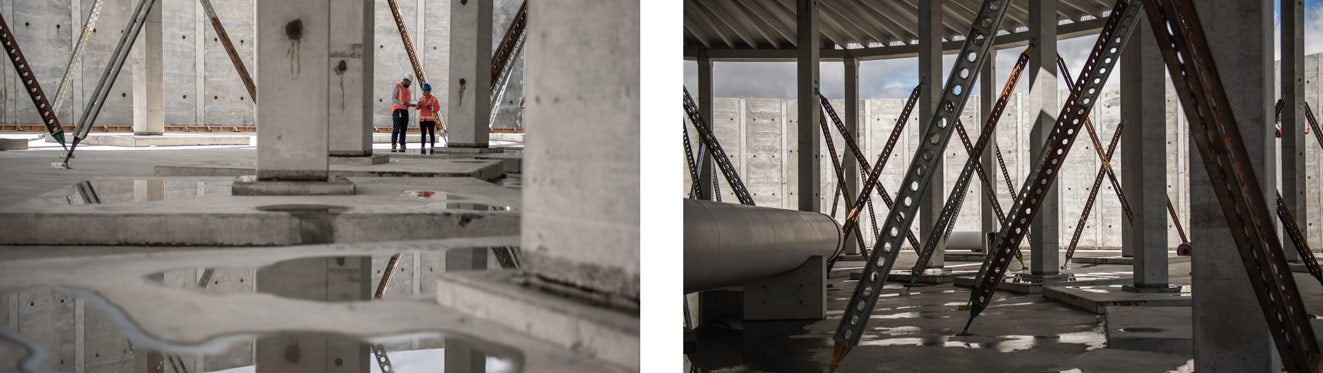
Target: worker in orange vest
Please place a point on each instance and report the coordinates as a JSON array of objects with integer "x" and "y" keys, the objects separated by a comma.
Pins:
[
  {"x": 399, "y": 97},
  {"x": 429, "y": 110}
]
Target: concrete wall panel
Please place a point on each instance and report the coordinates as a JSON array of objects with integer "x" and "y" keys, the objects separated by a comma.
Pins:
[{"x": 764, "y": 151}]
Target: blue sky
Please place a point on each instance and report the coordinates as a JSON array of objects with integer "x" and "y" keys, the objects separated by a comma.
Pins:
[{"x": 896, "y": 77}]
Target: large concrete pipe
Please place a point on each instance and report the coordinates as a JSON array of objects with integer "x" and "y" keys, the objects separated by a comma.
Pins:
[
  {"x": 965, "y": 240},
  {"x": 726, "y": 244}
]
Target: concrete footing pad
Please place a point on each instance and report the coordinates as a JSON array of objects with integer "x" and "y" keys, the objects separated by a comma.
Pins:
[
  {"x": 1151, "y": 329},
  {"x": 167, "y": 140},
  {"x": 249, "y": 185},
  {"x": 1121, "y": 260},
  {"x": 929, "y": 276},
  {"x": 965, "y": 256},
  {"x": 1025, "y": 284},
  {"x": 361, "y": 160},
  {"x": 480, "y": 169},
  {"x": 501, "y": 297},
  {"x": 202, "y": 212},
  {"x": 511, "y": 158},
  {"x": 1098, "y": 299},
  {"x": 1116, "y": 360},
  {"x": 13, "y": 144},
  {"x": 800, "y": 294}
]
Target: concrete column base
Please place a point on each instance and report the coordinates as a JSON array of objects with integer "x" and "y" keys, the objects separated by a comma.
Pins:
[
  {"x": 454, "y": 144},
  {"x": 800, "y": 294},
  {"x": 1043, "y": 278},
  {"x": 359, "y": 160},
  {"x": 1153, "y": 288},
  {"x": 249, "y": 186}
]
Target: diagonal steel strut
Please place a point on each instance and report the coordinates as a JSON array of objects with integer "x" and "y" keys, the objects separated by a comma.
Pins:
[
  {"x": 30, "y": 83},
  {"x": 836, "y": 166},
  {"x": 1097, "y": 147},
  {"x": 229, "y": 49},
  {"x": 1106, "y": 51},
  {"x": 937, "y": 134},
  {"x": 113, "y": 67},
  {"x": 718, "y": 154},
  {"x": 1198, "y": 83},
  {"x": 945, "y": 224},
  {"x": 1093, "y": 195},
  {"x": 873, "y": 180}
]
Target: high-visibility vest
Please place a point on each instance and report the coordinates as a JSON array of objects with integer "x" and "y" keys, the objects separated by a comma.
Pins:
[
  {"x": 428, "y": 109},
  {"x": 402, "y": 94}
]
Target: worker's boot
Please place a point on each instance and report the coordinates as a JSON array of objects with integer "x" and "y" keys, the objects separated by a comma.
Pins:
[{"x": 392, "y": 148}]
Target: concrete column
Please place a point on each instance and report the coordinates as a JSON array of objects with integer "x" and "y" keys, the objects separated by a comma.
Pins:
[
  {"x": 460, "y": 355},
  {"x": 471, "y": 73},
  {"x": 1144, "y": 156},
  {"x": 1229, "y": 331},
  {"x": 807, "y": 44},
  {"x": 1044, "y": 233},
  {"x": 852, "y": 124},
  {"x": 317, "y": 279},
  {"x": 292, "y": 77},
  {"x": 705, "y": 166},
  {"x": 930, "y": 77},
  {"x": 149, "y": 77},
  {"x": 988, "y": 86},
  {"x": 350, "y": 87},
  {"x": 571, "y": 191},
  {"x": 1293, "y": 117}
]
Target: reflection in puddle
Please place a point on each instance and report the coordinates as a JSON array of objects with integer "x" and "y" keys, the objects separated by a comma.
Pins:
[
  {"x": 139, "y": 190},
  {"x": 434, "y": 195},
  {"x": 343, "y": 278},
  {"x": 476, "y": 207},
  {"x": 85, "y": 334}
]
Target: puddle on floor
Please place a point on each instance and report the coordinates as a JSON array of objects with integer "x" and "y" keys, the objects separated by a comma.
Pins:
[
  {"x": 80, "y": 335},
  {"x": 434, "y": 195},
  {"x": 342, "y": 278},
  {"x": 138, "y": 190}
]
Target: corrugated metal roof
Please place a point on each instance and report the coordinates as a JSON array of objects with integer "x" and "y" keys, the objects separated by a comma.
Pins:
[{"x": 851, "y": 24}]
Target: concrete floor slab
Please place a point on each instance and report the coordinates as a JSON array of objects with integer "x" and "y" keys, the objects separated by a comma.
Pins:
[
  {"x": 200, "y": 211},
  {"x": 13, "y": 144},
  {"x": 363, "y": 161},
  {"x": 1152, "y": 329},
  {"x": 929, "y": 276},
  {"x": 249, "y": 185},
  {"x": 965, "y": 256},
  {"x": 1016, "y": 285},
  {"x": 1116, "y": 360},
  {"x": 130, "y": 140},
  {"x": 1121, "y": 260},
  {"x": 405, "y": 167},
  {"x": 504, "y": 297},
  {"x": 512, "y": 158},
  {"x": 1098, "y": 299},
  {"x": 182, "y": 319}
]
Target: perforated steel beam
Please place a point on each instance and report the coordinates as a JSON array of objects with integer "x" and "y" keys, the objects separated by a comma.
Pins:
[
  {"x": 1101, "y": 63},
  {"x": 918, "y": 178}
]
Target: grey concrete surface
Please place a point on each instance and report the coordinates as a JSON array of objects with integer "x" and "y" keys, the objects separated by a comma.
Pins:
[
  {"x": 583, "y": 191},
  {"x": 808, "y": 158},
  {"x": 410, "y": 167},
  {"x": 1291, "y": 80},
  {"x": 1018, "y": 333},
  {"x": 200, "y": 212},
  {"x": 1228, "y": 322},
  {"x": 350, "y": 90},
  {"x": 1101, "y": 299},
  {"x": 152, "y": 316},
  {"x": 248, "y": 185},
  {"x": 1152, "y": 329},
  {"x": 148, "y": 65},
  {"x": 931, "y": 77},
  {"x": 1045, "y": 230},
  {"x": 1143, "y": 147},
  {"x": 607, "y": 334},
  {"x": 763, "y": 153},
  {"x": 201, "y": 86},
  {"x": 165, "y": 140},
  {"x": 798, "y": 294},
  {"x": 14, "y": 144},
  {"x": 293, "y": 70},
  {"x": 470, "y": 73}
]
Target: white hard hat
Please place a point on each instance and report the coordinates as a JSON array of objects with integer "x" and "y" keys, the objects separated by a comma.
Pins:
[{"x": 408, "y": 77}]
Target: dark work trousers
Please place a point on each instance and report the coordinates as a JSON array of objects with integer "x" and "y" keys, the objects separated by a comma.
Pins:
[
  {"x": 400, "y": 129},
  {"x": 428, "y": 128}
]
